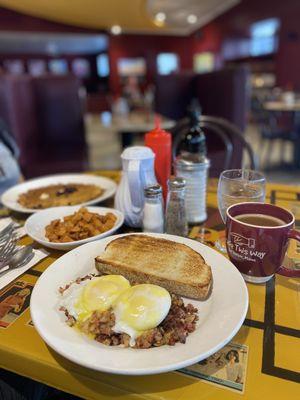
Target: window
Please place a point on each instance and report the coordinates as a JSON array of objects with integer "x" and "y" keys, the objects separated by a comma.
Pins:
[
  {"x": 103, "y": 65},
  {"x": 263, "y": 40},
  {"x": 37, "y": 67},
  {"x": 15, "y": 67},
  {"x": 81, "y": 67},
  {"x": 58, "y": 67},
  {"x": 236, "y": 48},
  {"x": 264, "y": 37},
  {"x": 204, "y": 62},
  {"x": 167, "y": 63},
  {"x": 131, "y": 67}
]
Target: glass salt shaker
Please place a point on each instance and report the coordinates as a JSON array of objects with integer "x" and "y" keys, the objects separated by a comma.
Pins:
[
  {"x": 153, "y": 215},
  {"x": 176, "y": 222}
]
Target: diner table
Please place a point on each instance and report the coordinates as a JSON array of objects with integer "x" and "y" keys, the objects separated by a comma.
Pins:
[
  {"x": 270, "y": 334},
  {"x": 128, "y": 126}
]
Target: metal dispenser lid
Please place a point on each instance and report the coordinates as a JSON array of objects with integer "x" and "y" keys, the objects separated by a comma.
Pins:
[
  {"x": 153, "y": 190},
  {"x": 189, "y": 165},
  {"x": 176, "y": 183}
]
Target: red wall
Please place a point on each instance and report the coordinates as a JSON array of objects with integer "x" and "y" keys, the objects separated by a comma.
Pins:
[
  {"x": 14, "y": 21},
  {"x": 209, "y": 38},
  {"x": 237, "y": 21},
  {"x": 233, "y": 24},
  {"x": 148, "y": 47},
  {"x": 288, "y": 57}
]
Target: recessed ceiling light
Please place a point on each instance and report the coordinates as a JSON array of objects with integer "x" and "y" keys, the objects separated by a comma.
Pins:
[
  {"x": 192, "y": 19},
  {"x": 116, "y": 29},
  {"x": 160, "y": 17}
]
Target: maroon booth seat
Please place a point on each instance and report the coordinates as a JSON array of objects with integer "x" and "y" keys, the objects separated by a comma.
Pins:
[{"x": 46, "y": 117}]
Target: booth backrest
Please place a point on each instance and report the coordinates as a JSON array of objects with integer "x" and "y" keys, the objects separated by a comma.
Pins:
[{"x": 45, "y": 115}]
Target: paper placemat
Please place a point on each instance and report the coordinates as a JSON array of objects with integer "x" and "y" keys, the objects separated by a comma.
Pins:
[
  {"x": 7, "y": 277},
  {"x": 7, "y": 220}
]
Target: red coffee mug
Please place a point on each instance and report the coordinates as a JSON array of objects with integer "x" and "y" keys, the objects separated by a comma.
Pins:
[{"x": 258, "y": 251}]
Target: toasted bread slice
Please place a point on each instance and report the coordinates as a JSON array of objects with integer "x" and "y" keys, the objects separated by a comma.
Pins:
[{"x": 145, "y": 259}]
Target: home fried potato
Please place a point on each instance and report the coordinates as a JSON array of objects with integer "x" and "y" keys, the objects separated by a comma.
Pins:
[{"x": 80, "y": 225}]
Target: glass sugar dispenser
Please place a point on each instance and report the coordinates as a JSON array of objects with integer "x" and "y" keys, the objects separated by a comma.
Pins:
[
  {"x": 193, "y": 165},
  {"x": 153, "y": 214},
  {"x": 176, "y": 222}
]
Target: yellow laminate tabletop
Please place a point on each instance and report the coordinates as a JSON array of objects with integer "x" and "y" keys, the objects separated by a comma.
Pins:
[{"x": 270, "y": 335}]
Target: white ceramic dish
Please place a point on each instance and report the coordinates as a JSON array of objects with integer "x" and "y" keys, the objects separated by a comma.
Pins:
[
  {"x": 36, "y": 223},
  {"x": 10, "y": 196},
  {"x": 220, "y": 316}
]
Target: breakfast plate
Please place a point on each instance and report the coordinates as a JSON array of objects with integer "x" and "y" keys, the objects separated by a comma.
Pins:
[
  {"x": 220, "y": 316},
  {"x": 36, "y": 223},
  {"x": 10, "y": 197}
]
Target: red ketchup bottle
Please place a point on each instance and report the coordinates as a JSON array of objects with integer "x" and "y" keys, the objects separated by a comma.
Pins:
[{"x": 160, "y": 142}]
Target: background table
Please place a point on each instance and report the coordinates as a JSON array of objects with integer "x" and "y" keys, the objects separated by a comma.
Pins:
[
  {"x": 129, "y": 127},
  {"x": 271, "y": 331},
  {"x": 282, "y": 106},
  {"x": 294, "y": 109}
]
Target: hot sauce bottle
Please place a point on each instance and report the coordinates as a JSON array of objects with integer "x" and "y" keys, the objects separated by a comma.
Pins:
[{"x": 159, "y": 141}]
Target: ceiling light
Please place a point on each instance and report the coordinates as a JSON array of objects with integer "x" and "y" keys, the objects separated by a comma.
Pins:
[
  {"x": 160, "y": 17},
  {"x": 192, "y": 19},
  {"x": 116, "y": 30}
]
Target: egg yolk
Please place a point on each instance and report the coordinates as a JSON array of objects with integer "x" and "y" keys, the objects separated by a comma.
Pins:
[
  {"x": 142, "y": 307},
  {"x": 100, "y": 294}
]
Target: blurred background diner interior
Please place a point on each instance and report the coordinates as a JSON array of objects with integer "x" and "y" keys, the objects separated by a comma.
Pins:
[{"x": 81, "y": 80}]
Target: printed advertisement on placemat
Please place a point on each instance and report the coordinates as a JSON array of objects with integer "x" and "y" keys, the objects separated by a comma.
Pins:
[
  {"x": 14, "y": 300},
  {"x": 227, "y": 367}
]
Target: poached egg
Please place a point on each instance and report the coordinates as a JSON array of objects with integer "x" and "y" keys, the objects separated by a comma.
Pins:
[
  {"x": 140, "y": 308},
  {"x": 136, "y": 308},
  {"x": 97, "y": 294}
]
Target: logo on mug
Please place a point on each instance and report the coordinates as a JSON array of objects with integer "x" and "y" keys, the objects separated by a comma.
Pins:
[
  {"x": 240, "y": 240},
  {"x": 243, "y": 248}
]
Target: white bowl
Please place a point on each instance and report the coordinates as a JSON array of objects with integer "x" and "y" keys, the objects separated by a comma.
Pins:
[{"x": 36, "y": 223}]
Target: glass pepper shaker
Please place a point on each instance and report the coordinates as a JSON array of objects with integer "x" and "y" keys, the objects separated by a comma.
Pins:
[
  {"x": 153, "y": 216},
  {"x": 176, "y": 222}
]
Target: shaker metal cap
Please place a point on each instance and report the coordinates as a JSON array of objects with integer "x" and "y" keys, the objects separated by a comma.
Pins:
[
  {"x": 153, "y": 190},
  {"x": 176, "y": 183}
]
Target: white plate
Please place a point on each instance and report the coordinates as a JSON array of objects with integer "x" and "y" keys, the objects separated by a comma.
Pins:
[
  {"x": 36, "y": 223},
  {"x": 10, "y": 196},
  {"x": 220, "y": 317}
]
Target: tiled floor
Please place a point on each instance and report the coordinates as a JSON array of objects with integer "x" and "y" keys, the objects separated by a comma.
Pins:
[{"x": 104, "y": 152}]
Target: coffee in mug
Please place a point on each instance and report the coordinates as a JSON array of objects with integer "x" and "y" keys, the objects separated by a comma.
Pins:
[
  {"x": 257, "y": 237},
  {"x": 260, "y": 220}
]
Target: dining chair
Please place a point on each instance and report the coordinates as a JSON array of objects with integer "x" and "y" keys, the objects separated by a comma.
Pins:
[
  {"x": 275, "y": 127},
  {"x": 225, "y": 143}
]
